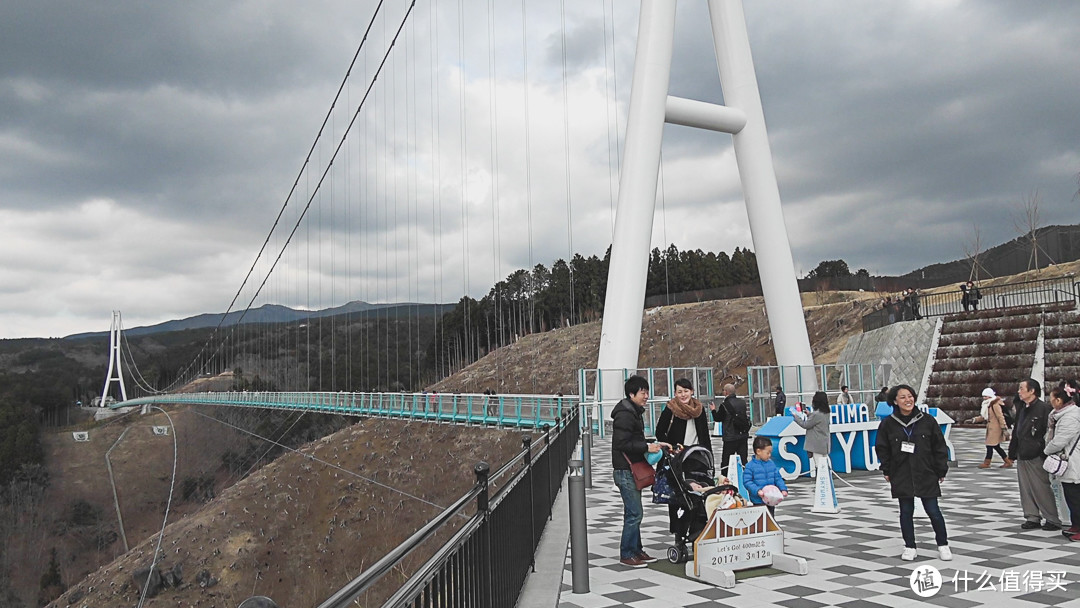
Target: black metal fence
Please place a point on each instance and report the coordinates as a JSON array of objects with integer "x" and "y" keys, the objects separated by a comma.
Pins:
[
  {"x": 487, "y": 560},
  {"x": 1059, "y": 290}
]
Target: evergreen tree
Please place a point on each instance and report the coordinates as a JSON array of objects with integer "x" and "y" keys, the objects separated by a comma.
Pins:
[{"x": 51, "y": 584}]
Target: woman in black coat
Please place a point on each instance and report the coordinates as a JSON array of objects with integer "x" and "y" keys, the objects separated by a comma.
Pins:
[
  {"x": 914, "y": 460},
  {"x": 684, "y": 421}
]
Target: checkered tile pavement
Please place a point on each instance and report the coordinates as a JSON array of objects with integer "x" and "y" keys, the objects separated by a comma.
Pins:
[{"x": 854, "y": 556}]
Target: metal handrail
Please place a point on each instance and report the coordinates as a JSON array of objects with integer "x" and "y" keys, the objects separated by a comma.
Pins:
[
  {"x": 521, "y": 411},
  {"x": 480, "y": 491},
  {"x": 1025, "y": 293},
  {"x": 344, "y": 596}
]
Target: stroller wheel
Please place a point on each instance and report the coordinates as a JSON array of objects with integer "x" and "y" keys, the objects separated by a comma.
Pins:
[
  {"x": 677, "y": 554},
  {"x": 674, "y": 555}
]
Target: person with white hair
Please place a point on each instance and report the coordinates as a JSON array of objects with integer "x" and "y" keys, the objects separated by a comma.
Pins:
[{"x": 997, "y": 430}]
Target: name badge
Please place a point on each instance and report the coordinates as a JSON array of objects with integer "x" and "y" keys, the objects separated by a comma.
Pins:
[{"x": 907, "y": 447}]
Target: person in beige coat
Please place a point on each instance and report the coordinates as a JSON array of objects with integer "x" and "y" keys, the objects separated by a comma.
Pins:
[{"x": 997, "y": 430}]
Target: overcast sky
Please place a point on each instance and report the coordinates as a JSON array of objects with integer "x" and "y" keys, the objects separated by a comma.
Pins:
[{"x": 146, "y": 148}]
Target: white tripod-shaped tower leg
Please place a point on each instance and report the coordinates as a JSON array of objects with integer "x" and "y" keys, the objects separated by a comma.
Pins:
[
  {"x": 114, "y": 359},
  {"x": 744, "y": 119}
]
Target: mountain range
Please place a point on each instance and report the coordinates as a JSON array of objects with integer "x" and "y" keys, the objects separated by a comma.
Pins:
[{"x": 276, "y": 313}]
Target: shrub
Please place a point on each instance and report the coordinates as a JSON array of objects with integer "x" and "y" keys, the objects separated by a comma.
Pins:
[
  {"x": 51, "y": 585},
  {"x": 84, "y": 513},
  {"x": 986, "y": 350},
  {"x": 1027, "y": 334},
  {"x": 198, "y": 488}
]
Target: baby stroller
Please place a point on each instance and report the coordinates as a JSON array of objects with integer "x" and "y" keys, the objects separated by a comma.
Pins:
[{"x": 692, "y": 464}]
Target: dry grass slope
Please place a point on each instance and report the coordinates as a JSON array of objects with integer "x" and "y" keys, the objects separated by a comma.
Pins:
[
  {"x": 727, "y": 335},
  {"x": 297, "y": 529}
]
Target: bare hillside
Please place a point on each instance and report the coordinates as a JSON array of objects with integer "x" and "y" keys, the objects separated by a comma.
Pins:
[
  {"x": 727, "y": 335},
  {"x": 78, "y": 517},
  {"x": 299, "y": 528}
]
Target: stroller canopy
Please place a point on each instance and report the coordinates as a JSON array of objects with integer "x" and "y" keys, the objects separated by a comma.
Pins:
[{"x": 694, "y": 464}]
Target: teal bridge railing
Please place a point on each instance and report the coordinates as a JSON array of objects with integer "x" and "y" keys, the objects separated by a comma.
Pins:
[{"x": 520, "y": 411}]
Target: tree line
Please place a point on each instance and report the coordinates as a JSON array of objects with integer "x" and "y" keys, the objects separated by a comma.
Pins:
[{"x": 541, "y": 299}]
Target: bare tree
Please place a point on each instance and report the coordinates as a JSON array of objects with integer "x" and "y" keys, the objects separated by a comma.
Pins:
[
  {"x": 972, "y": 251},
  {"x": 1026, "y": 221}
]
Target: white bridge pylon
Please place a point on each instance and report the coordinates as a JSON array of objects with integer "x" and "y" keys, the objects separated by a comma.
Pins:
[
  {"x": 114, "y": 359},
  {"x": 744, "y": 119}
]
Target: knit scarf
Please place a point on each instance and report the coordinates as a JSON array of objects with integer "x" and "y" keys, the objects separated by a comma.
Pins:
[{"x": 689, "y": 411}]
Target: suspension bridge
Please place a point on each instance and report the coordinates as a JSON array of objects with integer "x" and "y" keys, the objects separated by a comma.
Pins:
[{"x": 458, "y": 138}]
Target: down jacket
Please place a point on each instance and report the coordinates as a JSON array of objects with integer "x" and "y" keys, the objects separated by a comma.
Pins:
[
  {"x": 1062, "y": 438},
  {"x": 760, "y": 473},
  {"x": 627, "y": 435},
  {"x": 912, "y": 474}
]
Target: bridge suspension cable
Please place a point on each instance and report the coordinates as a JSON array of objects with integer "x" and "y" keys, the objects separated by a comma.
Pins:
[
  {"x": 365, "y": 173},
  {"x": 321, "y": 461}
]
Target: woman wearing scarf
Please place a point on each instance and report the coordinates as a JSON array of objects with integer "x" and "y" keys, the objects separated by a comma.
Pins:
[
  {"x": 996, "y": 430},
  {"x": 914, "y": 460},
  {"x": 1062, "y": 437},
  {"x": 683, "y": 422}
]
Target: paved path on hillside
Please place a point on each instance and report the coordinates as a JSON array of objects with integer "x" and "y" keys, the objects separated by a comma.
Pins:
[{"x": 854, "y": 557}]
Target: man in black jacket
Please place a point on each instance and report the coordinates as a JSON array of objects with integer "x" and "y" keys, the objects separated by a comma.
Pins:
[
  {"x": 1026, "y": 448},
  {"x": 781, "y": 401},
  {"x": 628, "y": 445},
  {"x": 728, "y": 414}
]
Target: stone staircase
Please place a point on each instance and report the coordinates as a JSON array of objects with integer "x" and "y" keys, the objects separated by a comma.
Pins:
[
  {"x": 997, "y": 348},
  {"x": 1061, "y": 337}
]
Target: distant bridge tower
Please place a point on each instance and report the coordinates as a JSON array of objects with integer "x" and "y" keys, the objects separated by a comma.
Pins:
[
  {"x": 114, "y": 359},
  {"x": 744, "y": 119}
]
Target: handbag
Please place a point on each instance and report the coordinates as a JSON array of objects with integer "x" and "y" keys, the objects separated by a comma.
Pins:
[
  {"x": 661, "y": 489},
  {"x": 644, "y": 475},
  {"x": 1057, "y": 464}
]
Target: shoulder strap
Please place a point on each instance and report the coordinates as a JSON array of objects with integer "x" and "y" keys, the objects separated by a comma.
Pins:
[{"x": 1069, "y": 453}]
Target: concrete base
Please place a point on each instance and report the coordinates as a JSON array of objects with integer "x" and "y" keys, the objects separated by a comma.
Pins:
[
  {"x": 104, "y": 413},
  {"x": 790, "y": 563},
  {"x": 713, "y": 576}
]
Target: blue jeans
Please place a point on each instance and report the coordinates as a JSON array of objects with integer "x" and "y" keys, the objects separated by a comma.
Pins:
[
  {"x": 630, "y": 545},
  {"x": 907, "y": 521}
]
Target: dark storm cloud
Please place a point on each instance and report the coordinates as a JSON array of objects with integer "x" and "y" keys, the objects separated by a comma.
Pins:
[
  {"x": 943, "y": 113},
  {"x": 160, "y": 104},
  {"x": 148, "y": 147}
]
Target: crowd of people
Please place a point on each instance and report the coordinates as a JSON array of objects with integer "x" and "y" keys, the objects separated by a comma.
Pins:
[
  {"x": 905, "y": 306},
  {"x": 1042, "y": 439}
]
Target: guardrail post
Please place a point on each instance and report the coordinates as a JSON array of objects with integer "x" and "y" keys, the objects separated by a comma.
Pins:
[
  {"x": 579, "y": 535},
  {"x": 482, "y": 470},
  {"x": 526, "y": 463},
  {"x": 547, "y": 473},
  {"x": 586, "y": 454}
]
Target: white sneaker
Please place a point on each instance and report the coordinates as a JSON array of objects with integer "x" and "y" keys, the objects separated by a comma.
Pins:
[
  {"x": 945, "y": 553},
  {"x": 909, "y": 554}
]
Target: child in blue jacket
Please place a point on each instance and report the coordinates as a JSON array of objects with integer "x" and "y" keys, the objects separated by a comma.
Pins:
[{"x": 761, "y": 471}]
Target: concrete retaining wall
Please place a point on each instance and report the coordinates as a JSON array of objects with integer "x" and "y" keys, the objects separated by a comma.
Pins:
[{"x": 904, "y": 346}]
